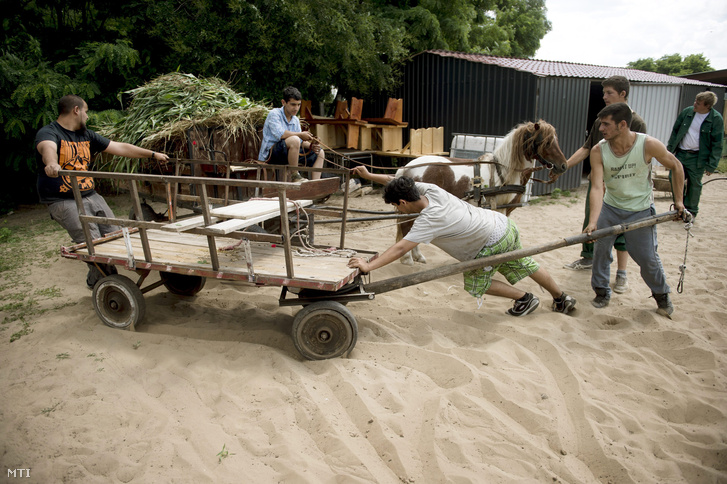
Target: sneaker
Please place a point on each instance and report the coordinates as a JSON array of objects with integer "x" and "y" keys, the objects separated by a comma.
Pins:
[
  {"x": 524, "y": 305},
  {"x": 665, "y": 307},
  {"x": 600, "y": 301},
  {"x": 564, "y": 304},
  {"x": 580, "y": 265},
  {"x": 297, "y": 178},
  {"x": 622, "y": 284}
]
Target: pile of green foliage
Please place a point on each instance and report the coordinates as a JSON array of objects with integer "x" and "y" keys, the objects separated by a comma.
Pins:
[{"x": 164, "y": 109}]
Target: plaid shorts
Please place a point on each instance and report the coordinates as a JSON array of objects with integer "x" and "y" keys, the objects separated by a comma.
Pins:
[{"x": 478, "y": 281}]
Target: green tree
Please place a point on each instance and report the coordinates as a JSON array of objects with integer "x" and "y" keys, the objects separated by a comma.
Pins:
[
  {"x": 99, "y": 49},
  {"x": 673, "y": 64}
]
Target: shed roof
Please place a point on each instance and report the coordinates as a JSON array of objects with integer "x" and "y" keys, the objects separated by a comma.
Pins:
[{"x": 570, "y": 69}]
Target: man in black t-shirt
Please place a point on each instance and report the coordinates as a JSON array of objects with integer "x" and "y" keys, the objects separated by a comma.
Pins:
[{"x": 66, "y": 144}]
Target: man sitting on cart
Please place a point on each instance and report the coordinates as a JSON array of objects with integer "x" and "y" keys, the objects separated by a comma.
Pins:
[
  {"x": 465, "y": 232},
  {"x": 285, "y": 142}
]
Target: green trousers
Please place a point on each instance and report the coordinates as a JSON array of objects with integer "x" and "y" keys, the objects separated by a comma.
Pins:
[
  {"x": 587, "y": 248},
  {"x": 693, "y": 174}
]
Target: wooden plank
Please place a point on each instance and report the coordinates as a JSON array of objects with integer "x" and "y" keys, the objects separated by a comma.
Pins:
[
  {"x": 249, "y": 209},
  {"x": 326, "y": 133},
  {"x": 252, "y": 212},
  {"x": 386, "y": 122},
  {"x": 187, "y": 250},
  {"x": 352, "y": 133},
  {"x": 186, "y": 224},
  {"x": 438, "y": 139},
  {"x": 341, "y": 110},
  {"x": 415, "y": 141},
  {"x": 394, "y": 109},
  {"x": 365, "y": 138},
  {"x": 356, "y": 108},
  {"x": 228, "y": 226},
  {"x": 393, "y": 115},
  {"x": 427, "y": 136},
  {"x": 336, "y": 122},
  {"x": 391, "y": 138}
]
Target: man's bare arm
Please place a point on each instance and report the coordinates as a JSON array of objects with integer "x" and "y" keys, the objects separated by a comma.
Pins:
[
  {"x": 132, "y": 151},
  {"x": 375, "y": 177},
  {"x": 656, "y": 149},
  {"x": 597, "y": 189},
  {"x": 390, "y": 255},
  {"x": 49, "y": 153}
]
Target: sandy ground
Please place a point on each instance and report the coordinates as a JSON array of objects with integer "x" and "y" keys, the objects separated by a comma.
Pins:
[{"x": 212, "y": 389}]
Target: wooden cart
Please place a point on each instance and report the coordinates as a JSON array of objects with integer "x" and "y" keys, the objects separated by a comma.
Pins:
[{"x": 185, "y": 252}]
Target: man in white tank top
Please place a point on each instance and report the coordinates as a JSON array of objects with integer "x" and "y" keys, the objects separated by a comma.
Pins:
[{"x": 622, "y": 193}]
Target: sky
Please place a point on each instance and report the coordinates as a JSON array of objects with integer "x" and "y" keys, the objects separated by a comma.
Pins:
[{"x": 616, "y": 32}]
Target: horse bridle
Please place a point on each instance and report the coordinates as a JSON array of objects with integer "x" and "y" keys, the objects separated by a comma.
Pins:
[{"x": 536, "y": 143}]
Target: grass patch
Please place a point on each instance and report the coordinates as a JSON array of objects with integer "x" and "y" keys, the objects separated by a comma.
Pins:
[
  {"x": 223, "y": 454},
  {"x": 722, "y": 167},
  {"x": 25, "y": 242},
  {"x": 48, "y": 410},
  {"x": 24, "y": 331}
]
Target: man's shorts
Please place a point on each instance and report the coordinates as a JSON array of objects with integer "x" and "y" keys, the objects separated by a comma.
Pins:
[
  {"x": 279, "y": 155},
  {"x": 478, "y": 281}
]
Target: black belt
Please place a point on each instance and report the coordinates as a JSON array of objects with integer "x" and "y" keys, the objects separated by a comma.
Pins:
[{"x": 690, "y": 151}]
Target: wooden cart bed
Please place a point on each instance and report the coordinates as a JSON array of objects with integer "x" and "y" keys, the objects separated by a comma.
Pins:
[{"x": 189, "y": 254}]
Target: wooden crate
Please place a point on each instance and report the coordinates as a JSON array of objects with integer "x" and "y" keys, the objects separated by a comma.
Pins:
[
  {"x": 374, "y": 137},
  {"x": 425, "y": 141}
]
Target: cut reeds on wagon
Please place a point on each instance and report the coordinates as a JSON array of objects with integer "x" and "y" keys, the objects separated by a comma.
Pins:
[{"x": 162, "y": 110}]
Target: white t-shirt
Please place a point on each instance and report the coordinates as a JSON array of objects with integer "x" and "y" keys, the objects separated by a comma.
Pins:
[
  {"x": 690, "y": 141},
  {"x": 453, "y": 225}
]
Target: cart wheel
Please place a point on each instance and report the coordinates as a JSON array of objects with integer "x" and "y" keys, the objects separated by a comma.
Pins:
[
  {"x": 118, "y": 301},
  {"x": 324, "y": 329},
  {"x": 182, "y": 284}
]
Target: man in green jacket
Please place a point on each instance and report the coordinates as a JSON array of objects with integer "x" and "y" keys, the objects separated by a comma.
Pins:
[{"x": 696, "y": 141}]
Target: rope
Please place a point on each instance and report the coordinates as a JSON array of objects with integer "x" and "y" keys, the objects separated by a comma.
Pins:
[
  {"x": 688, "y": 228},
  {"x": 683, "y": 266},
  {"x": 714, "y": 179},
  {"x": 308, "y": 250},
  {"x": 331, "y": 252},
  {"x": 362, "y": 230}
]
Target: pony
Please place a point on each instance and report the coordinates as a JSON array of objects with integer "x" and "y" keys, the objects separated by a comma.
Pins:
[{"x": 510, "y": 165}]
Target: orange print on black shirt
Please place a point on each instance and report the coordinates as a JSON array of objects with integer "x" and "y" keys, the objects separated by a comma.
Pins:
[{"x": 75, "y": 156}]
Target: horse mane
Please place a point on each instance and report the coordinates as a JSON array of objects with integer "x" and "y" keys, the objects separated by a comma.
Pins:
[{"x": 521, "y": 140}]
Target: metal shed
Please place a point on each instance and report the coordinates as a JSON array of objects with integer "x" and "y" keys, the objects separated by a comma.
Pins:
[{"x": 489, "y": 95}]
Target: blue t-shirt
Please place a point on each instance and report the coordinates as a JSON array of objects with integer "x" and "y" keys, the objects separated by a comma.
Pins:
[
  {"x": 275, "y": 125},
  {"x": 75, "y": 150}
]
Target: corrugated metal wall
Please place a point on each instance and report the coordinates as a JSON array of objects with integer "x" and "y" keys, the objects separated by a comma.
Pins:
[
  {"x": 465, "y": 97},
  {"x": 659, "y": 105},
  {"x": 689, "y": 92},
  {"x": 563, "y": 102},
  {"x": 475, "y": 98}
]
